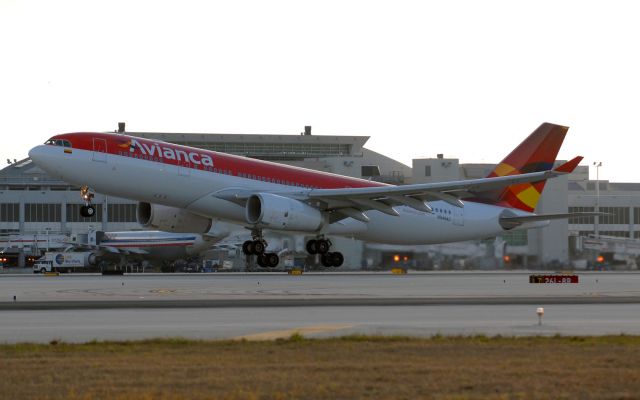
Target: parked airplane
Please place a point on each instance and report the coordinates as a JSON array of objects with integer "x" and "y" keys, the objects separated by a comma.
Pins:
[
  {"x": 123, "y": 246},
  {"x": 186, "y": 189},
  {"x": 154, "y": 245}
]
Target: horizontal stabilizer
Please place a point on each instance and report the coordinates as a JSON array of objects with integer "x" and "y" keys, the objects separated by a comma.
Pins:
[
  {"x": 569, "y": 166},
  {"x": 510, "y": 222}
]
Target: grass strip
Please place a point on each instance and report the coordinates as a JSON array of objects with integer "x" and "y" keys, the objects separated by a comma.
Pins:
[{"x": 350, "y": 367}]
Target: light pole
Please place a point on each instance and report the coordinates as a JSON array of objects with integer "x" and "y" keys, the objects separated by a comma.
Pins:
[{"x": 596, "y": 220}]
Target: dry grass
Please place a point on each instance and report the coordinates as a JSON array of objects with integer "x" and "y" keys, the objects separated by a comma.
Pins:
[{"x": 344, "y": 368}]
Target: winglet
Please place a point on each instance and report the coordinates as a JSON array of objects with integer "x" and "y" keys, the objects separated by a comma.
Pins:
[{"x": 569, "y": 166}]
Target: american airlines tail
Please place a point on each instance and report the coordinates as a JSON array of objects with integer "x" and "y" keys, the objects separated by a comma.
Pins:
[{"x": 535, "y": 154}]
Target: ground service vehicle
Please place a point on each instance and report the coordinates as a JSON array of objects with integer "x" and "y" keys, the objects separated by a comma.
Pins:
[{"x": 65, "y": 261}]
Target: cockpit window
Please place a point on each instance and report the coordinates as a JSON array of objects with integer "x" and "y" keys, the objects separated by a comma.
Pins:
[{"x": 58, "y": 142}]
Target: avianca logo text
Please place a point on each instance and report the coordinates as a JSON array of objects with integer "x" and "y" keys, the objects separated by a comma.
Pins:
[{"x": 155, "y": 150}]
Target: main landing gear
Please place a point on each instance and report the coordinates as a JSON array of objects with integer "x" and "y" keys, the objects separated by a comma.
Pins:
[
  {"x": 88, "y": 210},
  {"x": 327, "y": 258},
  {"x": 257, "y": 247}
]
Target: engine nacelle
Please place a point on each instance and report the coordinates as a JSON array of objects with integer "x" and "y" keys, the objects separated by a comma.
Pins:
[
  {"x": 271, "y": 211},
  {"x": 171, "y": 219}
]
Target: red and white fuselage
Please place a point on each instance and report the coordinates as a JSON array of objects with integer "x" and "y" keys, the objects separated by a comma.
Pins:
[{"x": 207, "y": 185}]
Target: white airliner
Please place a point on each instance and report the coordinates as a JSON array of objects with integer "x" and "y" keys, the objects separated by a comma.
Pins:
[
  {"x": 154, "y": 245},
  {"x": 150, "y": 244},
  {"x": 186, "y": 189}
]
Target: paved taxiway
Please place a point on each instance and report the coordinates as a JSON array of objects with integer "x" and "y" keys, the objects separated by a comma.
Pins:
[{"x": 267, "y": 305}]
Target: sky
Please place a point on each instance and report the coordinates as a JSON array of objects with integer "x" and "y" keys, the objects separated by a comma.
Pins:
[{"x": 469, "y": 79}]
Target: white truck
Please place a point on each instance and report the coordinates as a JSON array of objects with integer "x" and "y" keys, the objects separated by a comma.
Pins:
[{"x": 64, "y": 261}]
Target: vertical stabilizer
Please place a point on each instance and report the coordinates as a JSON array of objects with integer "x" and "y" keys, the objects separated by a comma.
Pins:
[{"x": 536, "y": 153}]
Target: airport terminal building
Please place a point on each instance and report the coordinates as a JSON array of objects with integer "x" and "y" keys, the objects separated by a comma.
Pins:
[{"x": 34, "y": 203}]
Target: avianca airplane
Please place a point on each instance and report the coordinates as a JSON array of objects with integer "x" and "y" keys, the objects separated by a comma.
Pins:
[{"x": 186, "y": 189}]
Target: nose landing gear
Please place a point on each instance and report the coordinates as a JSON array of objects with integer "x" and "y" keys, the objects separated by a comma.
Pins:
[
  {"x": 88, "y": 210},
  {"x": 322, "y": 246},
  {"x": 257, "y": 247}
]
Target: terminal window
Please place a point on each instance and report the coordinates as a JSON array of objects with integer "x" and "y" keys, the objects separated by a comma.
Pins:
[
  {"x": 121, "y": 213},
  {"x": 40, "y": 212},
  {"x": 370, "y": 170},
  {"x": 285, "y": 150},
  {"x": 10, "y": 212},
  {"x": 581, "y": 220},
  {"x": 516, "y": 238},
  {"x": 623, "y": 234},
  {"x": 617, "y": 215}
]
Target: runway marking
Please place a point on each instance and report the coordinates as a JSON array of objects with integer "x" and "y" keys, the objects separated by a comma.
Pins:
[
  {"x": 162, "y": 291},
  {"x": 286, "y": 333}
]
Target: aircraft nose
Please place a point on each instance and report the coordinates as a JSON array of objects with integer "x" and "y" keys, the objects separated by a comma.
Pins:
[
  {"x": 42, "y": 157},
  {"x": 37, "y": 153}
]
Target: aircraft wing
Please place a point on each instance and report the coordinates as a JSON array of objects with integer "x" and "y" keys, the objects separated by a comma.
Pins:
[
  {"x": 79, "y": 246},
  {"x": 99, "y": 247},
  {"x": 455, "y": 188},
  {"x": 351, "y": 202},
  {"x": 132, "y": 250}
]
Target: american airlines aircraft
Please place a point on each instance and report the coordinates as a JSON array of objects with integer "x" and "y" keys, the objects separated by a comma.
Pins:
[
  {"x": 153, "y": 245},
  {"x": 148, "y": 244},
  {"x": 186, "y": 189}
]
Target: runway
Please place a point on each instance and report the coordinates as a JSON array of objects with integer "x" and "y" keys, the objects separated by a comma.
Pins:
[{"x": 79, "y": 308}]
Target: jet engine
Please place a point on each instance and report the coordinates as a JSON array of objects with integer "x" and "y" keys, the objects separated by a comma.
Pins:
[
  {"x": 171, "y": 219},
  {"x": 272, "y": 211}
]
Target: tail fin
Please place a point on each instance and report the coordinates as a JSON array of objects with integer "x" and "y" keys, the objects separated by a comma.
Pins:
[{"x": 536, "y": 153}]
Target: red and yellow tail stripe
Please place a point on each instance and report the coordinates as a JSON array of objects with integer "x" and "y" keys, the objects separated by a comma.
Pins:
[{"x": 536, "y": 153}]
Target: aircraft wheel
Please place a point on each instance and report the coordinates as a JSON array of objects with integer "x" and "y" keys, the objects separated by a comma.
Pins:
[
  {"x": 337, "y": 259},
  {"x": 322, "y": 246},
  {"x": 87, "y": 211},
  {"x": 247, "y": 247},
  {"x": 262, "y": 261},
  {"x": 258, "y": 247},
  {"x": 272, "y": 260},
  {"x": 312, "y": 246},
  {"x": 326, "y": 260}
]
